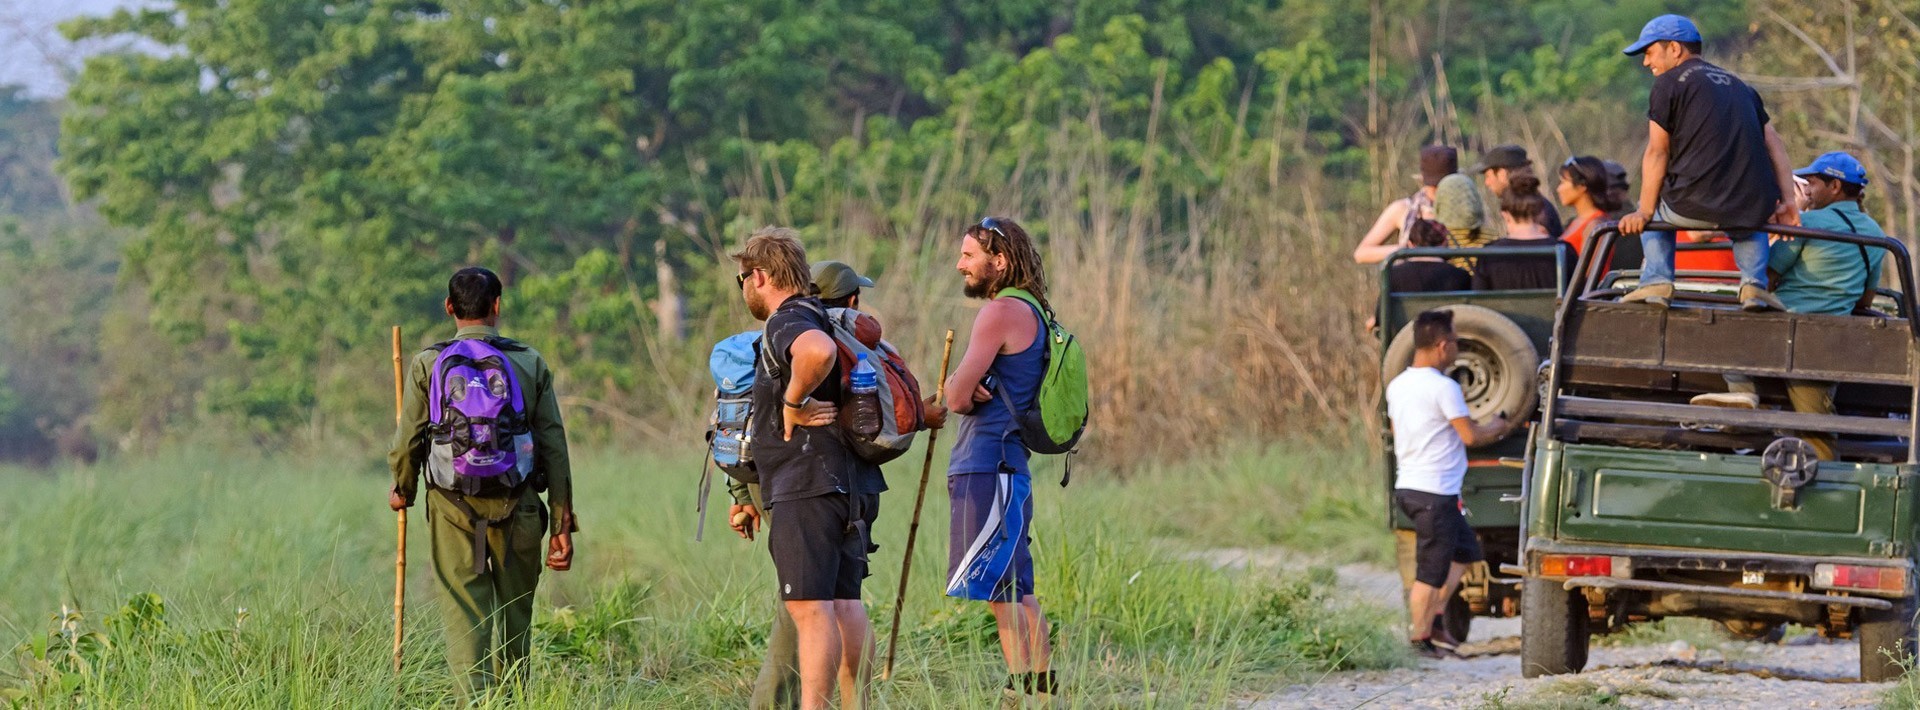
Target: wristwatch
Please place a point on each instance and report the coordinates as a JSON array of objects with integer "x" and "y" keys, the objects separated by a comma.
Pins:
[{"x": 804, "y": 401}]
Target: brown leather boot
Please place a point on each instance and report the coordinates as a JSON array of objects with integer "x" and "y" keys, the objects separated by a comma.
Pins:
[
  {"x": 1755, "y": 299},
  {"x": 1657, "y": 295}
]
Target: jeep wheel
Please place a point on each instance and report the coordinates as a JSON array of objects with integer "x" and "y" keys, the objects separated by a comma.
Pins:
[
  {"x": 1553, "y": 637},
  {"x": 1886, "y": 642},
  {"x": 1497, "y": 369}
]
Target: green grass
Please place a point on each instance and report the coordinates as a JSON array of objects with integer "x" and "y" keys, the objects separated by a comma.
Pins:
[
  {"x": 204, "y": 580},
  {"x": 1904, "y": 695}
]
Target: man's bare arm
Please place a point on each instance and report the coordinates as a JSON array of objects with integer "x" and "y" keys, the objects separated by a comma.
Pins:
[
  {"x": 812, "y": 355},
  {"x": 1788, "y": 211},
  {"x": 1653, "y": 174},
  {"x": 1374, "y": 247},
  {"x": 990, "y": 330},
  {"x": 1472, "y": 434}
]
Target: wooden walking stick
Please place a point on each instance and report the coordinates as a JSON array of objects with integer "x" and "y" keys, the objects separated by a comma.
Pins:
[
  {"x": 400, "y": 548},
  {"x": 913, "y": 530}
]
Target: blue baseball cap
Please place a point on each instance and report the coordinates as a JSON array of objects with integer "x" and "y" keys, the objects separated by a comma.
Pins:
[
  {"x": 1837, "y": 165},
  {"x": 1665, "y": 28}
]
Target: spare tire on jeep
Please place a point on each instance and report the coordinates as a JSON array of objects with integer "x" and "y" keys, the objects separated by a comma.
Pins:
[{"x": 1496, "y": 369}]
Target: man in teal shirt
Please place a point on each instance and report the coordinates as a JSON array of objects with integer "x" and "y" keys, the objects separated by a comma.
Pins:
[{"x": 1818, "y": 276}]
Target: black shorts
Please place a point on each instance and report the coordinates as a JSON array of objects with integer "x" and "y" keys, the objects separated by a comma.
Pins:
[
  {"x": 818, "y": 552},
  {"x": 1441, "y": 535}
]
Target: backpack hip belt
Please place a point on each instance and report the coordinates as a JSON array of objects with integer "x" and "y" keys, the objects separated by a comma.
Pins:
[{"x": 481, "y": 524}]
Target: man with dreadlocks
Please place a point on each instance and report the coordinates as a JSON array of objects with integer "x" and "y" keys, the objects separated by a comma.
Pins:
[{"x": 988, "y": 481}]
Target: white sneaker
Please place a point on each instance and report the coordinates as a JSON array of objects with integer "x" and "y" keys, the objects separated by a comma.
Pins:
[{"x": 1730, "y": 400}]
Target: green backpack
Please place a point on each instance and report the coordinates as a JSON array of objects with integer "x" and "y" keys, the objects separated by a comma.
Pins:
[{"x": 1059, "y": 414}]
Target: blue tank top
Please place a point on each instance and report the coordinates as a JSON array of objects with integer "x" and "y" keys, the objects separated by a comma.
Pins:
[{"x": 987, "y": 439}]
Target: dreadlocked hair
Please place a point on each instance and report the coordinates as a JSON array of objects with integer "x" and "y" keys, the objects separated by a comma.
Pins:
[{"x": 1024, "y": 269}]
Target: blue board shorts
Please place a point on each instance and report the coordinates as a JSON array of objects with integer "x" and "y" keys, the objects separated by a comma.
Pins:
[{"x": 988, "y": 557}]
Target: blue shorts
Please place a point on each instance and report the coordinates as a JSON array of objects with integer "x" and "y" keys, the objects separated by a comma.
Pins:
[{"x": 987, "y": 546}]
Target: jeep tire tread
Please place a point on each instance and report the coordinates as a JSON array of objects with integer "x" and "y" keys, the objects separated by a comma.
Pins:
[
  {"x": 1553, "y": 638},
  {"x": 1886, "y": 642}
]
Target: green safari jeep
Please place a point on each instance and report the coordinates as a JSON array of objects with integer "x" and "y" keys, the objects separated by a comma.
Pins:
[
  {"x": 1503, "y": 336},
  {"x": 1640, "y": 506}
]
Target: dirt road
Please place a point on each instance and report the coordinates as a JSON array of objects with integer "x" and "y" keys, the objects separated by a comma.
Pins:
[{"x": 1706, "y": 672}]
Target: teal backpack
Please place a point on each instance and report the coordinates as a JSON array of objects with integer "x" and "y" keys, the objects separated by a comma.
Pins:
[{"x": 1059, "y": 414}]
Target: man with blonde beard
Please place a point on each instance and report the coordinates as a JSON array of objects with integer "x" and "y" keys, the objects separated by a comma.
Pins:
[{"x": 988, "y": 480}]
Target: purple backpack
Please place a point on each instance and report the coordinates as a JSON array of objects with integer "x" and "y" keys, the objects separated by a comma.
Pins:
[{"x": 482, "y": 444}]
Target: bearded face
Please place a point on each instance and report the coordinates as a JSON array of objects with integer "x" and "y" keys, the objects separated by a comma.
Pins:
[
  {"x": 756, "y": 301},
  {"x": 979, "y": 270}
]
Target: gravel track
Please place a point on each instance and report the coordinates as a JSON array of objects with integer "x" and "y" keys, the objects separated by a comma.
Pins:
[{"x": 1806, "y": 672}]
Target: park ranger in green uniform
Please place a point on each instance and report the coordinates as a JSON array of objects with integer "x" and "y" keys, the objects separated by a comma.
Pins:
[{"x": 489, "y": 578}]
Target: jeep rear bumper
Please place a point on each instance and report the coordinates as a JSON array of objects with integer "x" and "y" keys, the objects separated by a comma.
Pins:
[
  {"x": 1686, "y": 559},
  {"x": 1653, "y": 586}
]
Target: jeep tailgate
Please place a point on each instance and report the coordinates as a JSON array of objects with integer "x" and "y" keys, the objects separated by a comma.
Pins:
[{"x": 1721, "y": 501}]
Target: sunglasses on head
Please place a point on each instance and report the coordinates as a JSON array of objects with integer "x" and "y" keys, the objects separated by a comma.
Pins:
[
  {"x": 1586, "y": 172},
  {"x": 992, "y": 225}
]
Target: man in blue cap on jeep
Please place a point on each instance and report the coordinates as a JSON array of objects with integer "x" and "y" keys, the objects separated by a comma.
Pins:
[
  {"x": 1712, "y": 162},
  {"x": 1819, "y": 276}
]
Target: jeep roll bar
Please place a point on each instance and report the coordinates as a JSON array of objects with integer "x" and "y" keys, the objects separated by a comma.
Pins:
[{"x": 1551, "y": 247}]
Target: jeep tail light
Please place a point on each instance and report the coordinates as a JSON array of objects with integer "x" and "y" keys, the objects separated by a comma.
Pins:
[
  {"x": 1584, "y": 566},
  {"x": 1865, "y": 578}
]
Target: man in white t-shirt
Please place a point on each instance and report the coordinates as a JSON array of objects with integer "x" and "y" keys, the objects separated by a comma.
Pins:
[{"x": 1431, "y": 433}]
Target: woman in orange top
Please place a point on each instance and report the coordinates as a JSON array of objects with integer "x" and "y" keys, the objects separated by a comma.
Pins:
[{"x": 1584, "y": 186}]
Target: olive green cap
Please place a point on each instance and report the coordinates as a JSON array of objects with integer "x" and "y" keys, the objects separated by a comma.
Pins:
[{"x": 837, "y": 280}]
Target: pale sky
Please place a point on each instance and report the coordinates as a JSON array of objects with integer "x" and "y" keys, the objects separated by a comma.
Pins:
[{"x": 31, "y": 48}]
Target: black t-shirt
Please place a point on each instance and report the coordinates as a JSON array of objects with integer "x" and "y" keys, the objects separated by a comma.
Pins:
[
  {"x": 1718, "y": 169},
  {"x": 817, "y": 461},
  {"x": 1425, "y": 276},
  {"x": 1500, "y": 273}
]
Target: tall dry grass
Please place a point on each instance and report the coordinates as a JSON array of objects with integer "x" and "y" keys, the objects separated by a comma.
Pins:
[{"x": 1232, "y": 312}]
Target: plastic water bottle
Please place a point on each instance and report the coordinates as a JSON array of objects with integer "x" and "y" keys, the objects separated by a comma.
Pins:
[{"x": 863, "y": 406}]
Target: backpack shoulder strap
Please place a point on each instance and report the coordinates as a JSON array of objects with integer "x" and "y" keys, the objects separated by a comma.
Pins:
[
  {"x": 501, "y": 342},
  {"x": 505, "y": 344},
  {"x": 814, "y": 306},
  {"x": 1865, "y": 302},
  {"x": 1046, "y": 314},
  {"x": 769, "y": 366},
  {"x": 435, "y": 386}
]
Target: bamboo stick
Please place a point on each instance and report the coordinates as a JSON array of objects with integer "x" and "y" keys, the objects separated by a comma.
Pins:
[
  {"x": 913, "y": 530},
  {"x": 400, "y": 545}
]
